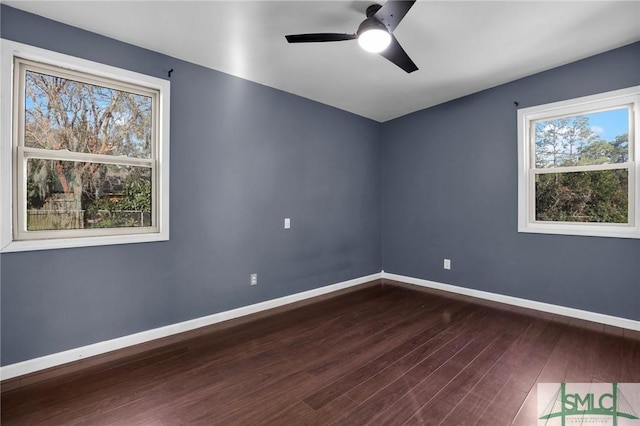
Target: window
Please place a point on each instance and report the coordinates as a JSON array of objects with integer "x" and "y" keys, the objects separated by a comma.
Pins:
[
  {"x": 578, "y": 166},
  {"x": 84, "y": 152}
]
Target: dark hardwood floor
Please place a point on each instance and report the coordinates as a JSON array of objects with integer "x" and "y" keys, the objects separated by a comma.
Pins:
[{"x": 384, "y": 354}]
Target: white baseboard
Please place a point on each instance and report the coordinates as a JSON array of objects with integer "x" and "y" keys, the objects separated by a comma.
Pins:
[
  {"x": 36, "y": 364},
  {"x": 516, "y": 301}
]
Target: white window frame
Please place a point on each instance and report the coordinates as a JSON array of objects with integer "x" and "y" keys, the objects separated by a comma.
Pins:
[
  {"x": 11, "y": 238},
  {"x": 624, "y": 98}
]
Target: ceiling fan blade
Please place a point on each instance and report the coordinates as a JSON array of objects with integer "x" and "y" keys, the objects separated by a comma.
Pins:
[
  {"x": 392, "y": 12},
  {"x": 396, "y": 54},
  {"x": 319, "y": 37}
]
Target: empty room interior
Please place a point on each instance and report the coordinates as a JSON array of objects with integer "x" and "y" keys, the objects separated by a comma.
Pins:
[{"x": 231, "y": 212}]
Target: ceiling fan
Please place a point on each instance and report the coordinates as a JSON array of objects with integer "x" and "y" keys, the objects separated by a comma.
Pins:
[{"x": 375, "y": 34}]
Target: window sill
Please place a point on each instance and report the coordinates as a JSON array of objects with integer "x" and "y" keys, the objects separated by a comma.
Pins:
[
  {"x": 58, "y": 243},
  {"x": 580, "y": 230}
]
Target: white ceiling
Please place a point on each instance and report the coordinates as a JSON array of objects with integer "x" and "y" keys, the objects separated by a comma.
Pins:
[{"x": 460, "y": 47}]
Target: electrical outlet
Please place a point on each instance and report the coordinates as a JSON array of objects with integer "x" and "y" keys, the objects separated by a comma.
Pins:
[
  {"x": 447, "y": 264},
  {"x": 287, "y": 223},
  {"x": 254, "y": 279}
]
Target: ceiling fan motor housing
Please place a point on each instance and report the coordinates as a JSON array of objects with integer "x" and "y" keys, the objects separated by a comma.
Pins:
[{"x": 371, "y": 24}]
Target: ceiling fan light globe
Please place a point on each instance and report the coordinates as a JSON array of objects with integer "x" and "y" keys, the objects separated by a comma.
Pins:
[{"x": 374, "y": 40}]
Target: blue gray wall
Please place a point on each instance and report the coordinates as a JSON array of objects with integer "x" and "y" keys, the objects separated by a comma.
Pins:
[
  {"x": 243, "y": 157},
  {"x": 450, "y": 191}
]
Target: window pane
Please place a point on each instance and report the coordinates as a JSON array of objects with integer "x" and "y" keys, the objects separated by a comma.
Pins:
[
  {"x": 79, "y": 195},
  {"x": 67, "y": 114},
  {"x": 593, "y": 196},
  {"x": 596, "y": 138}
]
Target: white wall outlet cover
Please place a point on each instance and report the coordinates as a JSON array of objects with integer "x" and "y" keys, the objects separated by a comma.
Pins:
[{"x": 287, "y": 223}]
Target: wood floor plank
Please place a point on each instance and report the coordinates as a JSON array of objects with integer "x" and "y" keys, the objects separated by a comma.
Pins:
[
  {"x": 473, "y": 405},
  {"x": 375, "y": 340},
  {"x": 431, "y": 403},
  {"x": 439, "y": 407},
  {"x": 504, "y": 408},
  {"x": 430, "y": 327},
  {"x": 449, "y": 340},
  {"x": 432, "y": 374},
  {"x": 527, "y": 414}
]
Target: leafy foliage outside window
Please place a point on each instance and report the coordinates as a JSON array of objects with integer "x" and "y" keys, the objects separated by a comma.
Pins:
[{"x": 594, "y": 196}]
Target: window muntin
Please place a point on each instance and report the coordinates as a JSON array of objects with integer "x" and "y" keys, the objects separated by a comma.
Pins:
[
  {"x": 84, "y": 152},
  {"x": 578, "y": 166}
]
